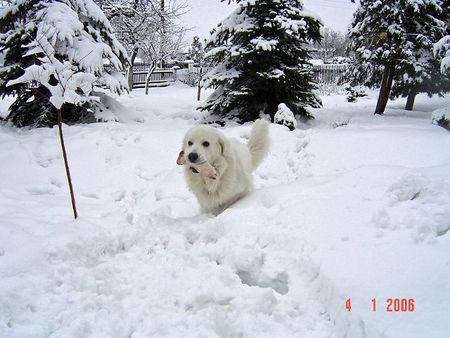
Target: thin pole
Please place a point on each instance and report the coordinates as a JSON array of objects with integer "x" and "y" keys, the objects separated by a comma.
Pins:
[{"x": 66, "y": 165}]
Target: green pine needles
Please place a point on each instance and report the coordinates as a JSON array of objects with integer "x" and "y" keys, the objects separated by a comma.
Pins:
[{"x": 261, "y": 51}]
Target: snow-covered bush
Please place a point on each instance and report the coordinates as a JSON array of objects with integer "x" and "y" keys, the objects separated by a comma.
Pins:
[
  {"x": 353, "y": 93},
  {"x": 340, "y": 122},
  {"x": 54, "y": 57},
  {"x": 190, "y": 78},
  {"x": 340, "y": 60},
  {"x": 262, "y": 56},
  {"x": 285, "y": 117},
  {"x": 330, "y": 88},
  {"x": 441, "y": 117}
]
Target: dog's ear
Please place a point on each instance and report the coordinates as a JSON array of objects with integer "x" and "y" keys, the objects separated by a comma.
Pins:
[
  {"x": 225, "y": 146},
  {"x": 181, "y": 160}
]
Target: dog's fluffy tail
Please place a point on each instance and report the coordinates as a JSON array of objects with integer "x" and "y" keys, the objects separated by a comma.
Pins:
[{"x": 259, "y": 142}]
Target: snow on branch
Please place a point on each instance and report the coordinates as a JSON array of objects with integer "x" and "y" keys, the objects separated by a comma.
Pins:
[
  {"x": 442, "y": 51},
  {"x": 70, "y": 54}
]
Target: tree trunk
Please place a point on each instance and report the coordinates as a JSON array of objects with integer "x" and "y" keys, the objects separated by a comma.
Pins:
[
  {"x": 385, "y": 90},
  {"x": 130, "y": 69},
  {"x": 66, "y": 165},
  {"x": 149, "y": 75},
  {"x": 411, "y": 97},
  {"x": 199, "y": 87},
  {"x": 163, "y": 31}
]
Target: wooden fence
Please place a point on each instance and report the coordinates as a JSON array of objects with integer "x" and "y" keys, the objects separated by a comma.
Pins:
[
  {"x": 323, "y": 74},
  {"x": 330, "y": 74},
  {"x": 159, "y": 77}
]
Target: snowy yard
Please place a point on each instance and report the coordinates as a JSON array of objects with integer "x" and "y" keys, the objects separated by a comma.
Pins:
[{"x": 351, "y": 206}]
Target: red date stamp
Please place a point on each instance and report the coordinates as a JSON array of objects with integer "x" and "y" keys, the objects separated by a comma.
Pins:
[{"x": 390, "y": 305}]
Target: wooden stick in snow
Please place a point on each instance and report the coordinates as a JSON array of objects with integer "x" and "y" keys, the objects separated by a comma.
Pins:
[{"x": 66, "y": 165}]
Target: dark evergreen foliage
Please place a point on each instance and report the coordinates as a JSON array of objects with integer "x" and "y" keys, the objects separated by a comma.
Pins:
[
  {"x": 392, "y": 41},
  {"x": 420, "y": 72},
  {"x": 444, "y": 123},
  {"x": 353, "y": 93},
  {"x": 262, "y": 54}
]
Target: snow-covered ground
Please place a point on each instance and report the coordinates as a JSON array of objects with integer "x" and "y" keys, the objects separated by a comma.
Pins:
[{"x": 351, "y": 206}]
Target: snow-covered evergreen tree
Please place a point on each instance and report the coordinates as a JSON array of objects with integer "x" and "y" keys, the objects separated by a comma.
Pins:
[
  {"x": 419, "y": 72},
  {"x": 377, "y": 39},
  {"x": 54, "y": 54},
  {"x": 261, "y": 50},
  {"x": 197, "y": 52},
  {"x": 391, "y": 40}
]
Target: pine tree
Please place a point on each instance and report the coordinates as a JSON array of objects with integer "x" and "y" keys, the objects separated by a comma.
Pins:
[
  {"x": 377, "y": 38},
  {"x": 262, "y": 54},
  {"x": 392, "y": 40},
  {"x": 197, "y": 52},
  {"x": 419, "y": 72},
  {"x": 50, "y": 45}
]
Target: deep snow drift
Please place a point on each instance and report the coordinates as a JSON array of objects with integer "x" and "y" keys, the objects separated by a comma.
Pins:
[{"x": 351, "y": 206}]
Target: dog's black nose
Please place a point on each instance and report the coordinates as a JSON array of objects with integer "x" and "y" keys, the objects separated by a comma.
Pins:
[{"x": 193, "y": 157}]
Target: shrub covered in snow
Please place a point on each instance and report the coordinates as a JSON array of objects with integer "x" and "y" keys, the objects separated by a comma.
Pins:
[
  {"x": 353, "y": 93},
  {"x": 441, "y": 117},
  {"x": 340, "y": 60},
  {"x": 54, "y": 54},
  {"x": 190, "y": 78},
  {"x": 285, "y": 117},
  {"x": 262, "y": 56}
]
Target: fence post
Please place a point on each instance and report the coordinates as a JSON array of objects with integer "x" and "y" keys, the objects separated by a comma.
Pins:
[{"x": 175, "y": 74}]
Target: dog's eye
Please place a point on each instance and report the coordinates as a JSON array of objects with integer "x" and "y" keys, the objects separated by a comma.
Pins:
[
  {"x": 206, "y": 144},
  {"x": 189, "y": 143}
]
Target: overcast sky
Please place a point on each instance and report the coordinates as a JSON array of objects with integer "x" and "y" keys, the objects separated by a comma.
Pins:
[{"x": 206, "y": 14}]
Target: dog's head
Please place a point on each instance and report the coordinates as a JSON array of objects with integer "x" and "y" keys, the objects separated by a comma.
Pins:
[{"x": 202, "y": 144}]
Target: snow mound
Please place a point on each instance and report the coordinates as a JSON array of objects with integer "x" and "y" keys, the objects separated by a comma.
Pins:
[
  {"x": 419, "y": 205},
  {"x": 439, "y": 114},
  {"x": 285, "y": 117},
  {"x": 441, "y": 117}
]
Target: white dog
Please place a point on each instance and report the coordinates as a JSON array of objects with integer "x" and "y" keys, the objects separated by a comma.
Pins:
[{"x": 218, "y": 169}]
